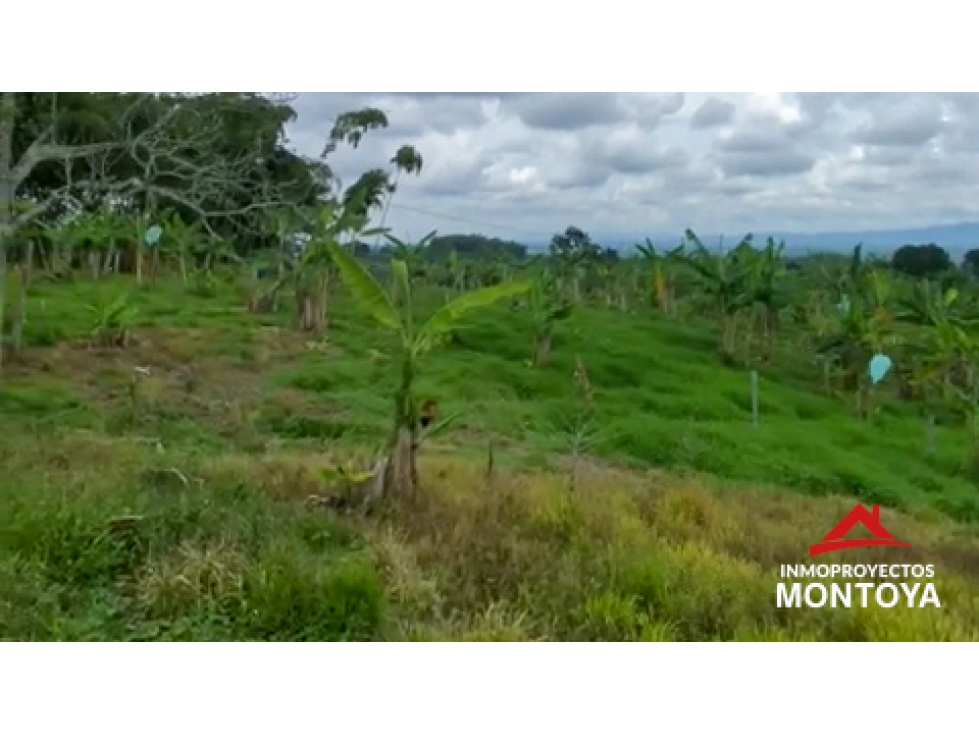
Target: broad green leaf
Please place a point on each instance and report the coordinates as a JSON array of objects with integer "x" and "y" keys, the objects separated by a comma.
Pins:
[
  {"x": 402, "y": 284},
  {"x": 446, "y": 317},
  {"x": 399, "y": 268},
  {"x": 364, "y": 287},
  {"x": 394, "y": 240}
]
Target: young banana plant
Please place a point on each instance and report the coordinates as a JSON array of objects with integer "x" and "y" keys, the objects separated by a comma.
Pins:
[
  {"x": 411, "y": 254},
  {"x": 547, "y": 306},
  {"x": 313, "y": 274},
  {"x": 400, "y": 471},
  {"x": 657, "y": 274},
  {"x": 179, "y": 243}
]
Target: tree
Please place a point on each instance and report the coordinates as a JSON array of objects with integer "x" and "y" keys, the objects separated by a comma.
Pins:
[
  {"x": 400, "y": 472},
  {"x": 214, "y": 159},
  {"x": 863, "y": 324},
  {"x": 970, "y": 263},
  {"x": 766, "y": 269},
  {"x": 547, "y": 306},
  {"x": 574, "y": 251},
  {"x": 921, "y": 261},
  {"x": 405, "y": 160},
  {"x": 311, "y": 276},
  {"x": 219, "y": 156},
  {"x": 474, "y": 246},
  {"x": 411, "y": 254},
  {"x": 724, "y": 279},
  {"x": 662, "y": 274}
]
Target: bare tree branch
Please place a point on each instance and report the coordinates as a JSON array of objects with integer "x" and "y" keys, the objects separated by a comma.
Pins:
[
  {"x": 174, "y": 153},
  {"x": 39, "y": 153}
]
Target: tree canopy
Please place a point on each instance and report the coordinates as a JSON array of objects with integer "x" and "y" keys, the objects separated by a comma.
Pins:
[
  {"x": 921, "y": 261},
  {"x": 220, "y": 161}
]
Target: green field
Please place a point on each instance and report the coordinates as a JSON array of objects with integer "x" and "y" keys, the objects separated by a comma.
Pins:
[
  {"x": 232, "y": 409},
  {"x": 171, "y": 502}
]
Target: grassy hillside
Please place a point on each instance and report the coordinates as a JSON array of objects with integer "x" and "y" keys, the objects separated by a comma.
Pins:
[{"x": 170, "y": 501}]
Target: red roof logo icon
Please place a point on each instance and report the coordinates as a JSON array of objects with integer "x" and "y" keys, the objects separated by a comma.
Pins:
[{"x": 870, "y": 519}]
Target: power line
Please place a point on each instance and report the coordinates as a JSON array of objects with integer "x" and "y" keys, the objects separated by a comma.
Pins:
[{"x": 464, "y": 220}]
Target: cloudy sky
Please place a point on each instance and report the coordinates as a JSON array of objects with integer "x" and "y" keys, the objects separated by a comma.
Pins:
[{"x": 619, "y": 165}]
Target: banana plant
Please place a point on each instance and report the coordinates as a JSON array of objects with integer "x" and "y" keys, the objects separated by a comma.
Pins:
[
  {"x": 456, "y": 272},
  {"x": 112, "y": 320},
  {"x": 766, "y": 269},
  {"x": 864, "y": 324},
  {"x": 548, "y": 305},
  {"x": 944, "y": 357},
  {"x": 179, "y": 242},
  {"x": 312, "y": 275},
  {"x": 70, "y": 238},
  {"x": 112, "y": 229},
  {"x": 411, "y": 254},
  {"x": 724, "y": 279},
  {"x": 400, "y": 472},
  {"x": 659, "y": 291}
]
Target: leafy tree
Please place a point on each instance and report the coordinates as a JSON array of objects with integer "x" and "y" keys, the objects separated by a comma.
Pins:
[
  {"x": 921, "y": 261},
  {"x": 547, "y": 306},
  {"x": 475, "y": 247},
  {"x": 970, "y": 263},
  {"x": 574, "y": 252}
]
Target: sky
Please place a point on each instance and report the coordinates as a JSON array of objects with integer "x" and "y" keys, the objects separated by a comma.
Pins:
[{"x": 525, "y": 166}]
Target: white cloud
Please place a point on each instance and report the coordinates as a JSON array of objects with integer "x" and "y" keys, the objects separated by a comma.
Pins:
[{"x": 620, "y": 164}]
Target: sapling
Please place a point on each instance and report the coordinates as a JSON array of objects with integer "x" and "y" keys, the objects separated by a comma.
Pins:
[
  {"x": 112, "y": 321},
  {"x": 547, "y": 306},
  {"x": 582, "y": 428},
  {"x": 400, "y": 473}
]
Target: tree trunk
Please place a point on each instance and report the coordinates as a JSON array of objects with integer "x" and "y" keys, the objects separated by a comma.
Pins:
[
  {"x": 307, "y": 313},
  {"x": 770, "y": 324},
  {"x": 20, "y": 310},
  {"x": 542, "y": 349},
  {"x": 326, "y": 289},
  {"x": 7, "y": 112},
  {"x": 401, "y": 471},
  {"x": 729, "y": 333}
]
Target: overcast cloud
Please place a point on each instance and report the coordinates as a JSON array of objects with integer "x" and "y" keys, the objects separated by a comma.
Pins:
[{"x": 524, "y": 166}]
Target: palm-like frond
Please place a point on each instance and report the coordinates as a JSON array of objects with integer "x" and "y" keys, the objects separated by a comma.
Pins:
[
  {"x": 364, "y": 287},
  {"x": 448, "y": 316}
]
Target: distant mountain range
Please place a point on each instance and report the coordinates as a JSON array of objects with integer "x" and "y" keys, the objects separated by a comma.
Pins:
[{"x": 956, "y": 238}]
